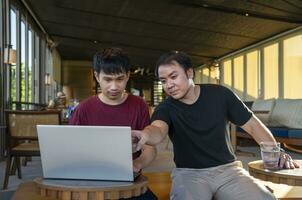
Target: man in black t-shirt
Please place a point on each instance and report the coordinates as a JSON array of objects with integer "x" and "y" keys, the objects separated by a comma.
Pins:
[{"x": 195, "y": 118}]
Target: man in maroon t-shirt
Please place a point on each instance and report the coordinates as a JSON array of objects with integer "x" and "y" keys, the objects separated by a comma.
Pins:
[{"x": 114, "y": 107}]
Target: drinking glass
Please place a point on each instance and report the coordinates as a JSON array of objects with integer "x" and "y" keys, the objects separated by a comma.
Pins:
[{"x": 270, "y": 153}]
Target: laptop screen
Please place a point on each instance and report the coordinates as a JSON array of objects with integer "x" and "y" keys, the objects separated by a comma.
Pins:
[{"x": 86, "y": 152}]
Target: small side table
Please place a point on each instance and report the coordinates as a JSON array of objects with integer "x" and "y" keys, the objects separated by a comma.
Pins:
[{"x": 285, "y": 176}]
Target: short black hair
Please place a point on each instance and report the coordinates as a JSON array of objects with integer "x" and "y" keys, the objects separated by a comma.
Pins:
[
  {"x": 111, "y": 61},
  {"x": 174, "y": 56}
]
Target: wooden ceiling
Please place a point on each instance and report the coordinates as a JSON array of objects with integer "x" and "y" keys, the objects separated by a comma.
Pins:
[{"x": 205, "y": 29}]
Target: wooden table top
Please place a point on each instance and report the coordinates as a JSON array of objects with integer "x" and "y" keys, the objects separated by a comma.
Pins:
[
  {"x": 45, "y": 189},
  {"x": 257, "y": 166},
  {"x": 89, "y": 185},
  {"x": 285, "y": 176}
]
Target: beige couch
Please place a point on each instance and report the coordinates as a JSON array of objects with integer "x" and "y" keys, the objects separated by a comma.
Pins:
[{"x": 283, "y": 117}]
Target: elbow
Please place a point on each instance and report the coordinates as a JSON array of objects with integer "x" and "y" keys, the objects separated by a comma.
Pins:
[{"x": 252, "y": 125}]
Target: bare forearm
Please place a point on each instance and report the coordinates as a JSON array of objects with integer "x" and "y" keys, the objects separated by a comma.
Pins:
[
  {"x": 147, "y": 156},
  {"x": 258, "y": 130},
  {"x": 155, "y": 135}
]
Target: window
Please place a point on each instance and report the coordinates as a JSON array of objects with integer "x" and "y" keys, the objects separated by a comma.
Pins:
[
  {"x": 22, "y": 69},
  {"x": 13, "y": 42},
  {"x": 25, "y": 79},
  {"x": 213, "y": 75},
  {"x": 227, "y": 73},
  {"x": 252, "y": 82},
  {"x": 205, "y": 73},
  {"x": 271, "y": 72},
  {"x": 293, "y": 67},
  {"x": 30, "y": 65},
  {"x": 36, "y": 68},
  {"x": 238, "y": 76},
  {"x": 197, "y": 76}
]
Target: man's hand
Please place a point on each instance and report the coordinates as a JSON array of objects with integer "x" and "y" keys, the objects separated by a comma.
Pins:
[
  {"x": 287, "y": 162},
  {"x": 137, "y": 166},
  {"x": 134, "y": 144},
  {"x": 139, "y": 138}
]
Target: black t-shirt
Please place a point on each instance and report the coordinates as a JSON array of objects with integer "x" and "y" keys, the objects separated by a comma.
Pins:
[{"x": 199, "y": 131}]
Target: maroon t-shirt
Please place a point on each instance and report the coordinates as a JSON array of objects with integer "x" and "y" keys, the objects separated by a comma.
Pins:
[{"x": 132, "y": 112}]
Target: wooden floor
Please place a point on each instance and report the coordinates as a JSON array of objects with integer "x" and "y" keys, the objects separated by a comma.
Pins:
[{"x": 160, "y": 184}]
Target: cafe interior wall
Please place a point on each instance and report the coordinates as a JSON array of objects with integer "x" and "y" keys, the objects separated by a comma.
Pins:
[
  {"x": 78, "y": 76},
  {"x": 57, "y": 66}
]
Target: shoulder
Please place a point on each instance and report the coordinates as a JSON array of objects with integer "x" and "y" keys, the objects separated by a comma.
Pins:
[
  {"x": 136, "y": 100},
  {"x": 165, "y": 105},
  {"x": 214, "y": 87},
  {"x": 216, "y": 91},
  {"x": 90, "y": 101}
]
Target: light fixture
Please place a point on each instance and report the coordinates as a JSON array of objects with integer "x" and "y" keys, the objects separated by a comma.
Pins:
[
  {"x": 10, "y": 55},
  {"x": 47, "y": 79}
]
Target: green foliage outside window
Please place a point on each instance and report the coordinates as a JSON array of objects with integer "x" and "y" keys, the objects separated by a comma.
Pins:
[{"x": 13, "y": 83}]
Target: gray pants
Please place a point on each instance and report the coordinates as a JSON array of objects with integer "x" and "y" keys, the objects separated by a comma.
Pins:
[{"x": 225, "y": 182}]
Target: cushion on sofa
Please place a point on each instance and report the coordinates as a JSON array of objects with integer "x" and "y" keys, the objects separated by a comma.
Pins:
[
  {"x": 279, "y": 131},
  {"x": 295, "y": 133},
  {"x": 276, "y": 131},
  {"x": 263, "y": 105},
  {"x": 287, "y": 113}
]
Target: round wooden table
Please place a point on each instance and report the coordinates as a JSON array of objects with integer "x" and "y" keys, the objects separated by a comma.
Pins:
[
  {"x": 90, "y": 190},
  {"x": 285, "y": 176}
]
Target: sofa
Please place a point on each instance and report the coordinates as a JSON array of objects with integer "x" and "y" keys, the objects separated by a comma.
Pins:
[{"x": 283, "y": 117}]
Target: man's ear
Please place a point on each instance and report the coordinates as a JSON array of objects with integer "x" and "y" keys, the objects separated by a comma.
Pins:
[
  {"x": 190, "y": 73},
  {"x": 96, "y": 75}
]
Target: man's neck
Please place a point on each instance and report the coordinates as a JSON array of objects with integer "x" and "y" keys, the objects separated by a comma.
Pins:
[
  {"x": 113, "y": 102},
  {"x": 192, "y": 95}
]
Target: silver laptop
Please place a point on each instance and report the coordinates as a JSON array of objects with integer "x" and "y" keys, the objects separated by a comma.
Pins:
[{"x": 86, "y": 152}]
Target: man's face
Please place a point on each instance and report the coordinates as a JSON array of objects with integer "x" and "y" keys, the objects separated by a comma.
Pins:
[
  {"x": 176, "y": 82},
  {"x": 112, "y": 85}
]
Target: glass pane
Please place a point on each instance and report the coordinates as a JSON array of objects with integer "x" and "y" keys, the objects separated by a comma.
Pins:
[
  {"x": 227, "y": 74},
  {"x": 238, "y": 76},
  {"x": 13, "y": 26},
  {"x": 205, "y": 75},
  {"x": 197, "y": 77},
  {"x": 293, "y": 67},
  {"x": 22, "y": 70},
  {"x": 271, "y": 72},
  {"x": 13, "y": 42},
  {"x": 36, "y": 69},
  {"x": 213, "y": 75},
  {"x": 252, "y": 75},
  {"x": 30, "y": 58}
]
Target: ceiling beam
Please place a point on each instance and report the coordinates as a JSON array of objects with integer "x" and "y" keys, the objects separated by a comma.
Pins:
[
  {"x": 273, "y": 7},
  {"x": 293, "y": 4},
  {"x": 127, "y": 45},
  {"x": 136, "y": 35},
  {"x": 242, "y": 12},
  {"x": 155, "y": 22}
]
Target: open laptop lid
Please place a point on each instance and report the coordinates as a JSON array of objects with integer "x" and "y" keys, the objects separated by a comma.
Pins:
[{"x": 86, "y": 152}]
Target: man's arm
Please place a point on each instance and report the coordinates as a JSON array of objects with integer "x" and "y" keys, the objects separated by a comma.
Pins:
[
  {"x": 261, "y": 133},
  {"x": 258, "y": 130},
  {"x": 152, "y": 134}
]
